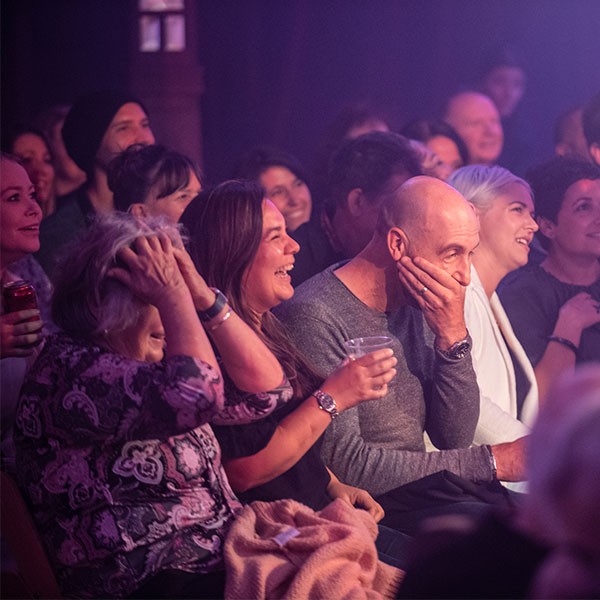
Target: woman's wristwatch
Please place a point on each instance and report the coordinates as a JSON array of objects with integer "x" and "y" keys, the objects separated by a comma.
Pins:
[
  {"x": 326, "y": 403},
  {"x": 216, "y": 308}
]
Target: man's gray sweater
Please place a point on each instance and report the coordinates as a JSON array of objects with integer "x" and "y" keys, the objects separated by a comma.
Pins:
[{"x": 379, "y": 445}]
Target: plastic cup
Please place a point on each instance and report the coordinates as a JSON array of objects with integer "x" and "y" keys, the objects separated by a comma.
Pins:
[{"x": 360, "y": 346}]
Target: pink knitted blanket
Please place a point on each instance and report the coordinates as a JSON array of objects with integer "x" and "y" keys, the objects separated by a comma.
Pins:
[{"x": 284, "y": 549}]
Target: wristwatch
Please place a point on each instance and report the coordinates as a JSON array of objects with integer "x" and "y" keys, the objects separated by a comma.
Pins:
[
  {"x": 326, "y": 403},
  {"x": 458, "y": 350},
  {"x": 216, "y": 308}
]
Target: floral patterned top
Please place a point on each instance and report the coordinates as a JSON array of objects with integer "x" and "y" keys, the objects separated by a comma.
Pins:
[{"x": 120, "y": 467}]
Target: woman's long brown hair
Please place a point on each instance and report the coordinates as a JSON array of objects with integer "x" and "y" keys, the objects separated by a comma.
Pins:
[{"x": 225, "y": 229}]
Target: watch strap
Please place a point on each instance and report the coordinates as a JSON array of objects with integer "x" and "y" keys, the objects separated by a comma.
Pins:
[{"x": 216, "y": 308}]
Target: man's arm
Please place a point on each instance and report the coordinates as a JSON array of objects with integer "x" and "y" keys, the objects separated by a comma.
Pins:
[
  {"x": 319, "y": 333},
  {"x": 453, "y": 399},
  {"x": 453, "y": 402},
  {"x": 379, "y": 470}
]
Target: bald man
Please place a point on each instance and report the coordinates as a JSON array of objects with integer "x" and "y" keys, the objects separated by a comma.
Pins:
[
  {"x": 409, "y": 284},
  {"x": 477, "y": 121}
]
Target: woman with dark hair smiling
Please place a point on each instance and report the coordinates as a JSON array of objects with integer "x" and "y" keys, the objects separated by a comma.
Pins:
[
  {"x": 554, "y": 307},
  {"x": 148, "y": 181},
  {"x": 32, "y": 148},
  {"x": 442, "y": 139},
  {"x": 284, "y": 181}
]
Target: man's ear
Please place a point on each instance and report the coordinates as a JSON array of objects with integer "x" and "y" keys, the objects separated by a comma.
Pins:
[
  {"x": 137, "y": 210},
  {"x": 595, "y": 153},
  {"x": 547, "y": 227},
  {"x": 561, "y": 149},
  {"x": 355, "y": 201},
  {"x": 397, "y": 243}
]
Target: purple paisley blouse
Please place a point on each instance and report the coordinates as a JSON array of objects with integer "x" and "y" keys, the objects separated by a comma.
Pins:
[{"x": 119, "y": 465}]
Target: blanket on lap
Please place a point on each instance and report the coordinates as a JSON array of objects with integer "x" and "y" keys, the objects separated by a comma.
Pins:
[{"x": 284, "y": 549}]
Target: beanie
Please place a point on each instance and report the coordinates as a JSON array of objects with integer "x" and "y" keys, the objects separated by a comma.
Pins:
[{"x": 87, "y": 122}]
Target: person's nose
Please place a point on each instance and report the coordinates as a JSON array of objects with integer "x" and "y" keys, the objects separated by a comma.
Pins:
[
  {"x": 144, "y": 135},
  {"x": 462, "y": 274},
  {"x": 532, "y": 224},
  {"x": 293, "y": 247},
  {"x": 33, "y": 208},
  {"x": 41, "y": 168}
]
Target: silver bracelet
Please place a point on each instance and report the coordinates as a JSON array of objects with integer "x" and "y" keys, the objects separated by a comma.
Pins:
[
  {"x": 221, "y": 320},
  {"x": 493, "y": 464}
]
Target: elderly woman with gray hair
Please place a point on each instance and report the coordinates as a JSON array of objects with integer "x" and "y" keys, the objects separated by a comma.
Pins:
[
  {"x": 508, "y": 388},
  {"x": 115, "y": 453}
]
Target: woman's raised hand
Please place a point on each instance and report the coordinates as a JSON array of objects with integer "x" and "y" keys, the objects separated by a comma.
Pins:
[
  {"x": 18, "y": 333},
  {"x": 202, "y": 295},
  {"x": 151, "y": 269},
  {"x": 360, "y": 379}
]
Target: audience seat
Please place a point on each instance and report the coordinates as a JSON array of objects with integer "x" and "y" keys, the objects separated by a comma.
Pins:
[{"x": 31, "y": 575}]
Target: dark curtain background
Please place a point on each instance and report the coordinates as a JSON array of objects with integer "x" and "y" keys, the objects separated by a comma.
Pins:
[{"x": 278, "y": 71}]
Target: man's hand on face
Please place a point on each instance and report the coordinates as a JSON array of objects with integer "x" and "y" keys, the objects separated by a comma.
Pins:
[{"x": 440, "y": 297}]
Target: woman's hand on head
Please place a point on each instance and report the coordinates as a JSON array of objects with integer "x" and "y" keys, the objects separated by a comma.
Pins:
[
  {"x": 361, "y": 379},
  {"x": 19, "y": 336},
  {"x": 202, "y": 295},
  {"x": 151, "y": 269}
]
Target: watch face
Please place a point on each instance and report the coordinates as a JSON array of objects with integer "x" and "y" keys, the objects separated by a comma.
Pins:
[
  {"x": 459, "y": 350},
  {"x": 326, "y": 402}
]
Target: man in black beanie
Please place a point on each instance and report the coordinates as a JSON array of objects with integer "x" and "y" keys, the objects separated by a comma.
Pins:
[{"x": 98, "y": 127}]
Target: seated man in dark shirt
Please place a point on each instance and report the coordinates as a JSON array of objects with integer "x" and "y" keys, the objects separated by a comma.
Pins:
[
  {"x": 98, "y": 128},
  {"x": 360, "y": 171}
]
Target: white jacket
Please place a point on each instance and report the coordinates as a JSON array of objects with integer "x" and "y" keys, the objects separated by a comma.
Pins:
[{"x": 492, "y": 337}]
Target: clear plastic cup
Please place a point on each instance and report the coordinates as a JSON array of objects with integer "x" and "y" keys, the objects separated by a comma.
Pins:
[{"x": 360, "y": 346}]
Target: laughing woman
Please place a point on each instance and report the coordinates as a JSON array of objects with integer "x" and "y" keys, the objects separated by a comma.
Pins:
[{"x": 508, "y": 389}]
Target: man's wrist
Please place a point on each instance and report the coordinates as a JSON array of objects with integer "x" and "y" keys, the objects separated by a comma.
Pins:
[
  {"x": 492, "y": 459},
  {"x": 444, "y": 341},
  {"x": 456, "y": 350}
]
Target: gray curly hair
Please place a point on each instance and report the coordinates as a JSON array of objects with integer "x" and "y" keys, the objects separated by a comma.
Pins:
[{"x": 86, "y": 301}]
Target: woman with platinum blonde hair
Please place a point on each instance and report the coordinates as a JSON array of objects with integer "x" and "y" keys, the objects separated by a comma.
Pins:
[
  {"x": 115, "y": 453},
  {"x": 508, "y": 389}
]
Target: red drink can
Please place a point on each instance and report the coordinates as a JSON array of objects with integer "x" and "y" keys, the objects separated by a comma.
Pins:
[{"x": 19, "y": 295}]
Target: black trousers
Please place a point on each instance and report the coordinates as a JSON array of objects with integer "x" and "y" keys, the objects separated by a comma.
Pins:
[
  {"x": 180, "y": 584},
  {"x": 442, "y": 493}
]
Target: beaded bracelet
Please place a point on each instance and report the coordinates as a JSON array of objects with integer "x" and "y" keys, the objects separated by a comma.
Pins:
[{"x": 567, "y": 343}]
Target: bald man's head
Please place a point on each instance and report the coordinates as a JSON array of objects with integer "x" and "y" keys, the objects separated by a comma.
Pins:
[
  {"x": 477, "y": 121},
  {"x": 428, "y": 218}
]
